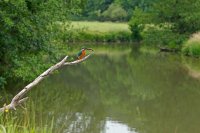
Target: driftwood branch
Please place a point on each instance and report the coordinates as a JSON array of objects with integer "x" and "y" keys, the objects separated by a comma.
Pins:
[
  {"x": 77, "y": 61},
  {"x": 18, "y": 99}
]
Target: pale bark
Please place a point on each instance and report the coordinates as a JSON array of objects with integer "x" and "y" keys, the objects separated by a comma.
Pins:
[{"x": 18, "y": 99}]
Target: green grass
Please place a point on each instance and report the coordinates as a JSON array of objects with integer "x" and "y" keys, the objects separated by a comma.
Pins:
[
  {"x": 101, "y": 27},
  {"x": 85, "y": 31},
  {"x": 192, "y": 46},
  {"x": 25, "y": 121}
]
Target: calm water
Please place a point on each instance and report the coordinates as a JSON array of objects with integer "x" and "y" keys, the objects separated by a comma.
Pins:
[{"x": 123, "y": 91}]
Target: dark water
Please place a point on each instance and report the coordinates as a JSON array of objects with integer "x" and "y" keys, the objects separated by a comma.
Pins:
[{"x": 123, "y": 91}]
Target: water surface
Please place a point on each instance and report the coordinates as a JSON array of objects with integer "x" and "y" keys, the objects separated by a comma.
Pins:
[{"x": 123, "y": 91}]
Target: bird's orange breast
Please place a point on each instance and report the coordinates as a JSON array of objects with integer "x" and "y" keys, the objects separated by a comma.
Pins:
[{"x": 82, "y": 55}]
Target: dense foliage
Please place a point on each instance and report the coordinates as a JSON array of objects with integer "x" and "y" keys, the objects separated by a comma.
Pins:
[
  {"x": 166, "y": 22},
  {"x": 111, "y": 10},
  {"x": 107, "y": 37},
  {"x": 27, "y": 28},
  {"x": 114, "y": 12}
]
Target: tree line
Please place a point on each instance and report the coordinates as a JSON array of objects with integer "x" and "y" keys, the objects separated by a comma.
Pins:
[
  {"x": 167, "y": 23},
  {"x": 111, "y": 10}
]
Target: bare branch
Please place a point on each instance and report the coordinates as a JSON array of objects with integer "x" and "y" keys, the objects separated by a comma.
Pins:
[
  {"x": 18, "y": 99},
  {"x": 77, "y": 61}
]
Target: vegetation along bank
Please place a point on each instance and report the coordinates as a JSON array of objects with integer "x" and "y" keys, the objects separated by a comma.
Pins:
[{"x": 33, "y": 32}]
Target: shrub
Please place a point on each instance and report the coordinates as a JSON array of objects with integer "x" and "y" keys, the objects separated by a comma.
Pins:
[
  {"x": 115, "y": 12},
  {"x": 137, "y": 23},
  {"x": 86, "y": 36},
  {"x": 192, "y": 46},
  {"x": 162, "y": 37}
]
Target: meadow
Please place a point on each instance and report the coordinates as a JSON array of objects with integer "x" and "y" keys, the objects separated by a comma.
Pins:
[
  {"x": 96, "y": 32},
  {"x": 101, "y": 27}
]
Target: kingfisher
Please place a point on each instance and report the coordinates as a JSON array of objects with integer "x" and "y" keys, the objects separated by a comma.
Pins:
[{"x": 82, "y": 53}]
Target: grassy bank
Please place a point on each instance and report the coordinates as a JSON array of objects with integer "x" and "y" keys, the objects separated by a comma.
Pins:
[
  {"x": 108, "y": 32},
  {"x": 27, "y": 120},
  {"x": 84, "y": 31},
  {"x": 113, "y": 32}
]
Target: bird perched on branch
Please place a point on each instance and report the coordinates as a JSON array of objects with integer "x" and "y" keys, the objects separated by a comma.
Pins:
[{"x": 82, "y": 53}]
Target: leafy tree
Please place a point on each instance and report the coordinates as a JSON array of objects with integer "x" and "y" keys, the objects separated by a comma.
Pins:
[
  {"x": 26, "y": 30},
  {"x": 128, "y": 5},
  {"x": 184, "y": 15},
  {"x": 94, "y": 8},
  {"x": 137, "y": 23},
  {"x": 115, "y": 12},
  {"x": 177, "y": 18}
]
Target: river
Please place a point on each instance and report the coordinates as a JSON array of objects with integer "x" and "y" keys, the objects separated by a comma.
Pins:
[{"x": 120, "y": 90}]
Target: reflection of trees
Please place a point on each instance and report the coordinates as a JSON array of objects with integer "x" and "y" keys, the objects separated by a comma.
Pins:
[{"x": 150, "y": 93}]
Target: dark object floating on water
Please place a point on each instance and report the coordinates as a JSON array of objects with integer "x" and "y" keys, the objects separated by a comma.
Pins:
[{"x": 162, "y": 49}]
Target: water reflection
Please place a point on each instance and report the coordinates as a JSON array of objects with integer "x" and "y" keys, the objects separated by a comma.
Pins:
[
  {"x": 116, "y": 127},
  {"x": 139, "y": 93}
]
